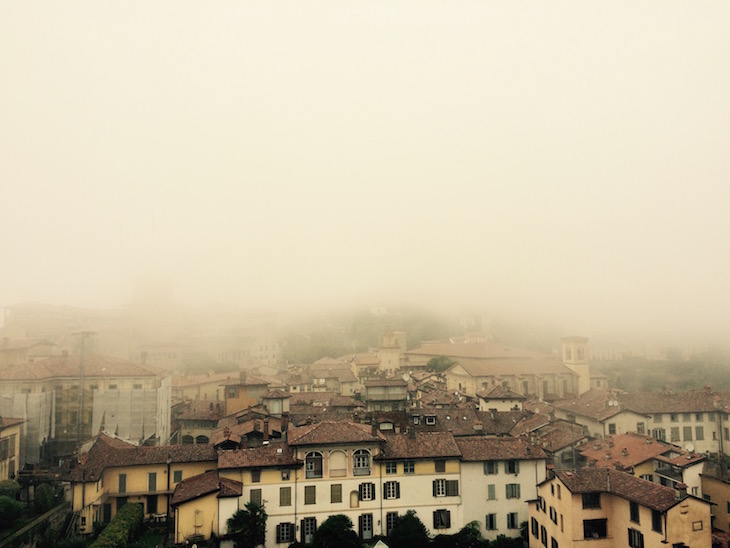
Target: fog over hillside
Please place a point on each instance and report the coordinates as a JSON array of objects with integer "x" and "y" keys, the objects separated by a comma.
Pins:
[{"x": 564, "y": 164}]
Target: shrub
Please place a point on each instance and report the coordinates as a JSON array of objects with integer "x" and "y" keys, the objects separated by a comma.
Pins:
[
  {"x": 43, "y": 499},
  {"x": 124, "y": 527},
  {"x": 9, "y": 488},
  {"x": 10, "y": 509}
]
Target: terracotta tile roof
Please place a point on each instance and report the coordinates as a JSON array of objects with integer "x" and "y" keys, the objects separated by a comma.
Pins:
[
  {"x": 423, "y": 445},
  {"x": 628, "y": 450},
  {"x": 266, "y": 456},
  {"x": 560, "y": 434},
  {"x": 499, "y": 392},
  {"x": 95, "y": 366},
  {"x": 327, "y": 361},
  {"x": 204, "y": 484},
  {"x": 277, "y": 394},
  {"x": 700, "y": 401},
  {"x": 596, "y": 404},
  {"x": 488, "y": 350},
  {"x": 605, "y": 480},
  {"x": 518, "y": 366},
  {"x": 231, "y": 431},
  {"x": 183, "y": 381},
  {"x": 530, "y": 422},
  {"x": 109, "y": 452},
  {"x": 7, "y": 422},
  {"x": 308, "y": 398},
  {"x": 333, "y": 432},
  {"x": 500, "y": 423},
  {"x": 483, "y": 448},
  {"x": 19, "y": 344},
  {"x": 364, "y": 358}
]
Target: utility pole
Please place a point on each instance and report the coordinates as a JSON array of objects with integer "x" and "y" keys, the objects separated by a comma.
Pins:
[{"x": 80, "y": 419}]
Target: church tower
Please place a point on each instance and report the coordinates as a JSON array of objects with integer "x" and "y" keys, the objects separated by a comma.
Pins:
[{"x": 575, "y": 357}]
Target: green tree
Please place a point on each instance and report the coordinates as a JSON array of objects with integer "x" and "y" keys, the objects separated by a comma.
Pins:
[
  {"x": 336, "y": 532},
  {"x": 10, "y": 509},
  {"x": 9, "y": 488},
  {"x": 43, "y": 499},
  {"x": 408, "y": 531},
  {"x": 439, "y": 364},
  {"x": 248, "y": 526}
]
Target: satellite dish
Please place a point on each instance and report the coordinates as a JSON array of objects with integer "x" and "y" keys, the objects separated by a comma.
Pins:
[{"x": 689, "y": 447}]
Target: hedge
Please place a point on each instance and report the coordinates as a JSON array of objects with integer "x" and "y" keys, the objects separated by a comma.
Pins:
[{"x": 122, "y": 529}]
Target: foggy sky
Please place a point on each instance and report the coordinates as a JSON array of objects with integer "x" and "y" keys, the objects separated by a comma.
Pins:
[{"x": 567, "y": 161}]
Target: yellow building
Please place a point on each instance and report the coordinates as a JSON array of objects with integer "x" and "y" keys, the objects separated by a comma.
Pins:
[
  {"x": 115, "y": 472},
  {"x": 604, "y": 508},
  {"x": 9, "y": 446},
  {"x": 201, "y": 505}
]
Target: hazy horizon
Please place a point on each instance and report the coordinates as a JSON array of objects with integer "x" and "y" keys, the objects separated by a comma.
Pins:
[{"x": 564, "y": 163}]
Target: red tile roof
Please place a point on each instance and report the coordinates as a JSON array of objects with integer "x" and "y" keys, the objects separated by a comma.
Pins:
[
  {"x": 204, "y": 484},
  {"x": 483, "y": 350},
  {"x": 95, "y": 366},
  {"x": 333, "y": 432},
  {"x": 629, "y": 450},
  {"x": 423, "y": 445},
  {"x": 606, "y": 480},
  {"x": 276, "y": 455},
  {"x": 483, "y": 448}
]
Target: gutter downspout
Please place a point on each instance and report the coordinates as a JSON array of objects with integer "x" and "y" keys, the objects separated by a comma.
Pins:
[{"x": 382, "y": 496}]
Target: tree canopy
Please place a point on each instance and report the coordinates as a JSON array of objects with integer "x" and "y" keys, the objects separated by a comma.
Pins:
[
  {"x": 408, "y": 531},
  {"x": 336, "y": 532},
  {"x": 248, "y": 526}
]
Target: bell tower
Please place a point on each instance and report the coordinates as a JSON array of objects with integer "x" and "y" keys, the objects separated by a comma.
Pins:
[{"x": 575, "y": 357}]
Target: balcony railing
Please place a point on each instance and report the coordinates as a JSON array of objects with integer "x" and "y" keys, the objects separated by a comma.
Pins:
[{"x": 361, "y": 471}]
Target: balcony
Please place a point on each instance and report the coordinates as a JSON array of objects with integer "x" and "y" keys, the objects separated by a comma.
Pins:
[{"x": 361, "y": 471}]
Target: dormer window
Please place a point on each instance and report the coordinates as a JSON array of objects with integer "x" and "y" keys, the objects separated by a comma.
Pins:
[
  {"x": 430, "y": 420},
  {"x": 361, "y": 463}
]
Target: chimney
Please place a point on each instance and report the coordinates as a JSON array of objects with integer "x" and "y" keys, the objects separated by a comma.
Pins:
[
  {"x": 625, "y": 451},
  {"x": 284, "y": 422},
  {"x": 226, "y": 432},
  {"x": 256, "y": 426},
  {"x": 681, "y": 491},
  {"x": 266, "y": 429},
  {"x": 374, "y": 427}
]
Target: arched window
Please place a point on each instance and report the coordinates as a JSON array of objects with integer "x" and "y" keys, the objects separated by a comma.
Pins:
[
  {"x": 567, "y": 353},
  {"x": 313, "y": 465},
  {"x": 201, "y": 440},
  {"x": 187, "y": 440},
  {"x": 361, "y": 463}
]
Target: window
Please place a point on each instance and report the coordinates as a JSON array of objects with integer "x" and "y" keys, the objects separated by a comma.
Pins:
[
  {"x": 256, "y": 475},
  {"x": 445, "y": 488},
  {"x": 122, "y": 483},
  {"x": 553, "y": 515},
  {"x": 391, "y": 520},
  {"x": 285, "y": 474},
  {"x": 699, "y": 433},
  {"x": 591, "y": 500},
  {"x": 313, "y": 465},
  {"x": 594, "y": 528},
  {"x": 256, "y": 496},
  {"x": 367, "y": 491},
  {"x": 675, "y": 433},
  {"x": 490, "y": 522},
  {"x": 392, "y": 490},
  {"x": 687, "y": 432},
  {"x": 309, "y": 526},
  {"x": 361, "y": 463},
  {"x": 636, "y": 539},
  {"x": 512, "y": 490},
  {"x": 430, "y": 420},
  {"x": 137, "y": 387},
  {"x": 202, "y": 440},
  {"x": 634, "y": 512},
  {"x": 365, "y": 522},
  {"x": 285, "y": 533},
  {"x": 409, "y": 467},
  {"x": 152, "y": 482},
  {"x": 284, "y": 496},
  {"x": 699, "y": 417},
  {"x": 559, "y": 491},
  {"x": 640, "y": 428},
  {"x": 177, "y": 476},
  {"x": 121, "y": 501},
  {"x": 391, "y": 467},
  {"x": 659, "y": 433},
  {"x": 553, "y": 543},
  {"x": 335, "y": 493},
  {"x": 440, "y": 465},
  {"x": 112, "y": 387},
  {"x": 441, "y": 519},
  {"x": 543, "y": 535},
  {"x": 673, "y": 417},
  {"x": 491, "y": 492},
  {"x": 188, "y": 440},
  {"x": 491, "y": 467},
  {"x": 534, "y": 528},
  {"x": 310, "y": 494},
  {"x": 513, "y": 521},
  {"x": 658, "y": 418},
  {"x": 512, "y": 467},
  {"x": 686, "y": 417},
  {"x": 612, "y": 429},
  {"x": 656, "y": 521}
]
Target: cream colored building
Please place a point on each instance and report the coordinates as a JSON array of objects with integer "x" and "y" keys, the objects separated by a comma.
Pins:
[{"x": 604, "y": 508}]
